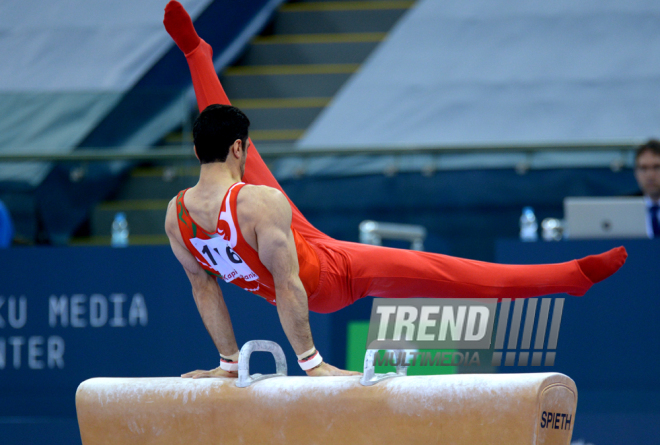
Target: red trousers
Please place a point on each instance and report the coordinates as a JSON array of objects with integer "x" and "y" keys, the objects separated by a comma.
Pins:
[{"x": 350, "y": 271}]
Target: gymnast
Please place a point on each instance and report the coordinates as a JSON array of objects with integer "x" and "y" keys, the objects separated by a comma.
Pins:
[{"x": 237, "y": 224}]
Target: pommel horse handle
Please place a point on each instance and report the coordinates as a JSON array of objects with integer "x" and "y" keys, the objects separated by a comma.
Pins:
[
  {"x": 244, "y": 377},
  {"x": 371, "y": 378}
]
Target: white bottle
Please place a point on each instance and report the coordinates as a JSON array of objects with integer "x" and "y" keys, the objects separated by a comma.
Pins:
[
  {"x": 119, "y": 231},
  {"x": 528, "y": 225}
]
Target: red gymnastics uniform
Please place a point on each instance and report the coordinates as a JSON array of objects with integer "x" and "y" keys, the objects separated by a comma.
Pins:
[
  {"x": 345, "y": 271},
  {"x": 337, "y": 273}
]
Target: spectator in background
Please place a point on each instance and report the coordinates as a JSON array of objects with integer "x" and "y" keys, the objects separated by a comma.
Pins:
[
  {"x": 6, "y": 227},
  {"x": 647, "y": 173}
]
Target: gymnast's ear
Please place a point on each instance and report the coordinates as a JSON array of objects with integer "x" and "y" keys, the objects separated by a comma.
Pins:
[
  {"x": 236, "y": 149},
  {"x": 195, "y": 150}
]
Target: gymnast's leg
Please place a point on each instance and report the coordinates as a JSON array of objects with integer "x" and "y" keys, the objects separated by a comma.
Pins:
[
  {"x": 208, "y": 91},
  {"x": 392, "y": 272},
  {"x": 397, "y": 273}
]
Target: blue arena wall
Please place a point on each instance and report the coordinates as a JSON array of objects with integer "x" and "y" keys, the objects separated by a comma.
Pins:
[
  {"x": 69, "y": 314},
  {"x": 464, "y": 211},
  {"x": 608, "y": 340}
]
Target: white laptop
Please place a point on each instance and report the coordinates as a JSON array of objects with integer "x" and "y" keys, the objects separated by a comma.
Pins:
[{"x": 610, "y": 217}]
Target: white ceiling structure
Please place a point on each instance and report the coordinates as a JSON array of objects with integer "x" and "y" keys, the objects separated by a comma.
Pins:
[
  {"x": 65, "y": 64},
  {"x": 504, "y": 72}
]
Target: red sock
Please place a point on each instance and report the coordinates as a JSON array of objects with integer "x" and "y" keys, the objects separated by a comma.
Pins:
[
  {"x": 599, "y": 267},
  {"x": 180, "y": 26}
]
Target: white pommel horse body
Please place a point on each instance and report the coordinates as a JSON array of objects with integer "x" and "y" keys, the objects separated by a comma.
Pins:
[{"x": 462, "y": 409}]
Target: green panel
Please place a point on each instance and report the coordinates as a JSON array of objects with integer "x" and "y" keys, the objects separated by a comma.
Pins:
[{"x": 356, "y": 339}]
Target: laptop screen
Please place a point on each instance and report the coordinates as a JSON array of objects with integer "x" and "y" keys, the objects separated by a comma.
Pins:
[{"x": 609, "y": 217}]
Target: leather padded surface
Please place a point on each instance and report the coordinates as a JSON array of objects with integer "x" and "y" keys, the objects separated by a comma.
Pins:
[{"x": 457, "y": 409}]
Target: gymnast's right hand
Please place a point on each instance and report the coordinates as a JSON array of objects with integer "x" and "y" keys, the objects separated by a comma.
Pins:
[
  {"x": 217, "y": 372},
  {"x": 325, "y": 369}
]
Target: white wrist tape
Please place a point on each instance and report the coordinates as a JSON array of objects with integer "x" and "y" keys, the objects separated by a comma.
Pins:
[
  {"x": 228, "y": 366},
  {"x": 306, "y": 353},
  {"x": 311, "y": 362},
  {"x": 230, "y": 363}
]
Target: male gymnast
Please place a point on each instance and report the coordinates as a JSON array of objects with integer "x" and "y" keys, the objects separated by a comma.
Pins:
[{"x": 237, "y": 224}]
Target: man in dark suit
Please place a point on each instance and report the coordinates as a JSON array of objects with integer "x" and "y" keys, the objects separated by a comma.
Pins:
[{"x": 647, "y": 173}]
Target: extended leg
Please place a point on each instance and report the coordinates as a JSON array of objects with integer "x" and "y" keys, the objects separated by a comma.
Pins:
[
  {"x": 208, "y": 91},
  {"x": 395, "y": 273}
]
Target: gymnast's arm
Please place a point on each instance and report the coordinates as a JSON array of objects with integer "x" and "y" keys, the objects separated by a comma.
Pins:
[
  {"x": 208, "y": 297},
  {"x": 277, "y": 251}
]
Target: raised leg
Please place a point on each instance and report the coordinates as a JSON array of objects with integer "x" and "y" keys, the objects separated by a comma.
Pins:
[
  {"x": 396, "y": 273},
  {"x": 208, "y": 91}
]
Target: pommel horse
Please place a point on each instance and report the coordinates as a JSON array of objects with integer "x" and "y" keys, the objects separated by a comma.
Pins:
[{"x": 507, "y": 409}]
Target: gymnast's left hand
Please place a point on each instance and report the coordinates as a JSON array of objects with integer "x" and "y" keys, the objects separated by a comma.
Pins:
[{"x": 217, "y": 372}]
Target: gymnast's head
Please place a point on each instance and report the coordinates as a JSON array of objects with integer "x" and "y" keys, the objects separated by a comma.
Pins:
[
  {"x": 220, "y": 133},
  {"x": 647, "y": 169}
]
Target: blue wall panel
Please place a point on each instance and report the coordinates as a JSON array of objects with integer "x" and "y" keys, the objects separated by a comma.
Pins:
[
  {"x": 608, "y": 340},
  {"x": 164, "y": 336}
]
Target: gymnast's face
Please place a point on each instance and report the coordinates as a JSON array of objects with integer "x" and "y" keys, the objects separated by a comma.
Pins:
[{"x": 647, "y": 173}]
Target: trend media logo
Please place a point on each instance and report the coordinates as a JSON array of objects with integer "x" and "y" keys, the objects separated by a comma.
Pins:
[{"x": 407, "y": 324}]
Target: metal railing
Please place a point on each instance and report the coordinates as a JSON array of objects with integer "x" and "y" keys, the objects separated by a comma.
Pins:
[
  {"x": 372, "y": 232},
  {"x": 270, "y": 151}
]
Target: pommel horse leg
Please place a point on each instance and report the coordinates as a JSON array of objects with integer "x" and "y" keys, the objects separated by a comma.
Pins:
[{"x": 507, "y": 409}]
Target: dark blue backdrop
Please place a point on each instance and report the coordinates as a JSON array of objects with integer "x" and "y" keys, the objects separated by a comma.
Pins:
[
  {"x": 608, "y": 341},
  {"x": 171, "y": 341},
  {"x": 469, "y": 209}
]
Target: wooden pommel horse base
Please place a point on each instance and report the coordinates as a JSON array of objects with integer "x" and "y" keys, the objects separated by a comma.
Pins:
[{"x": 507, "y": 409}]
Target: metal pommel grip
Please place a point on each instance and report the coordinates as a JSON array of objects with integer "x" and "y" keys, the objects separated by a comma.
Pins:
[{"x": 244, "y": 377}]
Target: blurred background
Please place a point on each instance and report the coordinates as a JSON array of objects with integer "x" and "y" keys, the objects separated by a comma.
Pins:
[{"x": 471, "y": 120}]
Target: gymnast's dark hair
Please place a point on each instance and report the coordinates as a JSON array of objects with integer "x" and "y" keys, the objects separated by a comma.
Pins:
[
  {"x": 652, "y": 145},
  {"x": 216, "y": 129}
]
